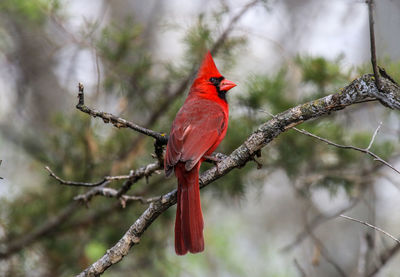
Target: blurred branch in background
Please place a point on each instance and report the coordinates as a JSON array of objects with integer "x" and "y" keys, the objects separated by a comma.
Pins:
[
  {"x": 366, "y": 150},
  {"x": 323, "y": 251},
  {"x": 371, "y": 226}
]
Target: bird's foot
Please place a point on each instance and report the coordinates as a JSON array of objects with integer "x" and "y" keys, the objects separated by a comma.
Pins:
[{"x": 215, "y": 159}]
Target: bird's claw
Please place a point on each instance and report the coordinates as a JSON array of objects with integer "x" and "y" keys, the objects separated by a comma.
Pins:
[{"x": 215, "y": 159}]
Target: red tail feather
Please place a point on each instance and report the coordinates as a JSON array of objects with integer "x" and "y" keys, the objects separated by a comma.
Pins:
[{"x": 189, "y": 218}]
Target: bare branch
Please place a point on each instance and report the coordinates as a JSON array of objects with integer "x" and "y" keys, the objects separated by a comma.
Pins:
[
  {"x": 366, "y": 150},
  {"x": 360, "y": 89},
  {"x": 138, "y": 174},
  {"x": 372, "y": 226},
  {"x": 54, "y": 223},
  {"x": 105, "y": 180},
  {"x": 372, "y": 41},
  {"x": 116, "y": 121},
  {"x": 373, "y": 136},
  {"x": 113, "y": 193},
  {"x": 134, "y": 177}
]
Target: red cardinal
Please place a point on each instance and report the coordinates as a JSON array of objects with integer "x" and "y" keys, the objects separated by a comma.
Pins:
[{"x": 197, "y": 130}]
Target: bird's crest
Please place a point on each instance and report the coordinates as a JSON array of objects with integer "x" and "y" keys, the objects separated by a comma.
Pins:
[{"x": 207, "y": 68}]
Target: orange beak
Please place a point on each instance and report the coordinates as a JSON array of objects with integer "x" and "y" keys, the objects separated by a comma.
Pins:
[{"x": 226, "y": 85}]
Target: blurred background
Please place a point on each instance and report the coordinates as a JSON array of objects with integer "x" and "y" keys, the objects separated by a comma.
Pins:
[{"x": 136, "y": 60}]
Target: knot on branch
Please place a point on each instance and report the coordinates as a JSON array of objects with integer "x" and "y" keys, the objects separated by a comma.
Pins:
[
  {"x": 360, "y": 89},
  {"x": 389, "y": 91}
]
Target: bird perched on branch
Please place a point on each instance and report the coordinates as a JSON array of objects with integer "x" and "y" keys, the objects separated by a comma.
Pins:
[{"x": 199, "y": 127}]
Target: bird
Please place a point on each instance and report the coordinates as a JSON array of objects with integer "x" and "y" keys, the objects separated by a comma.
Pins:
[{"x": 199, "y": 127}]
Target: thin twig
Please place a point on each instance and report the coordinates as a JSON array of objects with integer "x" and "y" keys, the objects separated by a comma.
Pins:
[
  {"x": 372, "y": 41},
  {"x": 366, "y": 150},
  {"x": 372, "y": 226},
  {"x": 55, "y": 222},
  {"x": 116, "y": 121},
  {"x": 106, "y": 179},
  {"x": 134, "y": 177},
  {"x": 373, "y": 136},
  {"x": 138, "y": 174},
  {"x": 113, "y": 193}
]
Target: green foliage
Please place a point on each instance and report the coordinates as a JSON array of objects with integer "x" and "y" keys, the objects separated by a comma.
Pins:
[
  {"x": 34, "y": 11},
  {"x": 122, "y": 47},
  {"x": 198, "y": 40},
  {"x": 262, "y": 90},
  {"x": 333, "y": 183},
  {"x": 203, "y": 35},
  {"x": 94, "y": 250},
  {"x": 322, "y": 74}
]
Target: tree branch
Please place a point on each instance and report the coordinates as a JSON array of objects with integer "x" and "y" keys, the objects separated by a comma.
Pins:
[
  {"x": 113, "y": 193},
  {"x": 360, "y": 89},
  {"x": 134, "y": 177},
  {"x": 366, "y": 150},
  {"x": 105, "y": 180},
  {"x": 371, "y": 226},
  {"x": 116, "y": 121},
  {"x": 99, "y": 189},
  {"x": 372, "y": 42}
]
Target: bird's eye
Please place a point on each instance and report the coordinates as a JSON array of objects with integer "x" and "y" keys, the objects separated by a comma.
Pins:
[{"x": 213, "y": 80}]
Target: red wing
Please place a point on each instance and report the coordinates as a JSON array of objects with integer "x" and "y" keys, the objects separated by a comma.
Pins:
[{"x": 197, "y": 127}]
